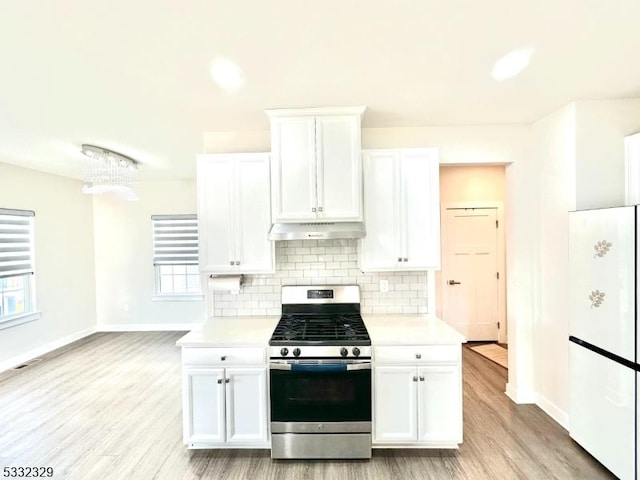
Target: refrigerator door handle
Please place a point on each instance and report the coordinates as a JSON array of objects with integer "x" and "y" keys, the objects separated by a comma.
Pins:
[{"x": 606, "y": 354}]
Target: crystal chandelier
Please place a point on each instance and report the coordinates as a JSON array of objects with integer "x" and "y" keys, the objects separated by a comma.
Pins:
[{"x": 107, "y": 171}]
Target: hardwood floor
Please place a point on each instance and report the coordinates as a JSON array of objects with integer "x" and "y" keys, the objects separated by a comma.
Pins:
[{"x": 108, "y": 407}]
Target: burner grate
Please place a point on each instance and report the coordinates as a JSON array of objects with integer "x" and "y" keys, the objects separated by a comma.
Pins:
[{"x": 321, "y": 329}]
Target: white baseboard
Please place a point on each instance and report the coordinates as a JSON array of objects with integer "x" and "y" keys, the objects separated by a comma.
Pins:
[
  {"x": 147, "y": 327},
  {"x": 553, "y": 411},
  {"x": 519, "y": 396},
  {"x": 44, "y": 349}
]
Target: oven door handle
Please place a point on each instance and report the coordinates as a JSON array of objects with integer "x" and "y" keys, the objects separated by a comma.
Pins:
[
  {"x": 320, "y": 367},
  {"x": 359, "y": 366},
  {"x": 280, "y": 366}
]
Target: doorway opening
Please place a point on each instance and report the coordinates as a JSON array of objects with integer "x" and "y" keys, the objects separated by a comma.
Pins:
[{"x": 471, "y": 287}]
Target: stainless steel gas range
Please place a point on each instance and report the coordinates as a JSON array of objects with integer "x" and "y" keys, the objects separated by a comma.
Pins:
[{"x": 320, "y": 375}]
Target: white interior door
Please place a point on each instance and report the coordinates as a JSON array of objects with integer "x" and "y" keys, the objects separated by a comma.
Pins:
[{"x": 470, "y": 271}]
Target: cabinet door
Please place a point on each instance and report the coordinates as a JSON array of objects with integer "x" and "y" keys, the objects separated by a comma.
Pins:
[
  {"x": 255, "y": 252},
  {"x": 380, "y": 249},
  {"x": 440, "y": 404},
  {"x": 395, "y": 411},
  {"x": 339, "y": 164},
  {"x": 203, "y": 405},
  {"x": 293, "y": 169},
  {"x": 420, "y": 212},
  {"x": 215, "y": 213},
  {"x": 246, "y": 405}
]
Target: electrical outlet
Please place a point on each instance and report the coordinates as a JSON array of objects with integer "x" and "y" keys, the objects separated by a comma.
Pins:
[{"x": 384, "y": 286}]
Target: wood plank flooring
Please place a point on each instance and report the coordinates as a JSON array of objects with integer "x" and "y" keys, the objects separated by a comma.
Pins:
[{"x": 108, "y": 407}]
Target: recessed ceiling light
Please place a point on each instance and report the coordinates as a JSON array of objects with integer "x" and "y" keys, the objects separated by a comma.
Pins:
[
  {"x": 227, "y": 74},
  {"x": 511, "y": 64}
]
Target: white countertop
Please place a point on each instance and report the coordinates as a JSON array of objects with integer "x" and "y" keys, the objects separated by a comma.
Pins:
[
  {"x": 383, "y": 329},
  {"x": 231, "y": 331},
  {"x": 410, "y": 330}
]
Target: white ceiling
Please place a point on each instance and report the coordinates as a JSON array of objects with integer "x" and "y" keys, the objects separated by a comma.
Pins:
[{"x": 133, "y": 75}]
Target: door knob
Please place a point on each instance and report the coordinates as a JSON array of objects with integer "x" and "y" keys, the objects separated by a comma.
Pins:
[{"x": 453, "y": 282}]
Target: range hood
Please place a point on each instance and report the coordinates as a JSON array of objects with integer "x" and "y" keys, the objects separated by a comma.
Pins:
[{"x": 316, "y": 231}]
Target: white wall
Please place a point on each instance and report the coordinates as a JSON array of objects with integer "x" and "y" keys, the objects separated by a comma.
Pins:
[
  {"x": 65, "y": 288},
  {"x": 472, "y": 183},
  {"x": 601, "y": 126},
  {"x": 577, "y": 163},
  {"x": 460, "y": 145},
  {"x": 124, "y": 259},
  {"x": 555, "y": 158}
]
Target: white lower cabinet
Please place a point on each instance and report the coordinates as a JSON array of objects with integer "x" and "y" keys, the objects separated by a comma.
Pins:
[
  {"x": 439, "y": 404},
  {"x": 225, "y": 407},
  {"x": 417, "y": 405},
  {"x": 395, "y": 404}
]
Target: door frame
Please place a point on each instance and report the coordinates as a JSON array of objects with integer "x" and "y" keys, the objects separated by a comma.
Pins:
[{"x": 502, "y": 281}]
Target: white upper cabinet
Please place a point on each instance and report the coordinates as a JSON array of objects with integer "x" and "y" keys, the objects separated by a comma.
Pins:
[
  {"x": 316, "y": 165},
  {"x": 234, "y": 216},
  {"x": 402, "y": 210}
]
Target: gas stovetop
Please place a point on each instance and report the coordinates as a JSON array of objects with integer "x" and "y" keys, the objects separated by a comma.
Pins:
[
  {"x": 320, "y": 321},
  {"x": 348, "y": 329}
]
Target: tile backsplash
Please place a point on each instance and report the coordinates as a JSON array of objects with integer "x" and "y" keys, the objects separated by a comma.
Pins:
[{"x": 319, "y": 262}]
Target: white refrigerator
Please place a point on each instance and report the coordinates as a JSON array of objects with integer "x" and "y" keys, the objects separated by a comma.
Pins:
[{"x": 603, "y": 335}]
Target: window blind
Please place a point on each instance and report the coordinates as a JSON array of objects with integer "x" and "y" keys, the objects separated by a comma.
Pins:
[
  {"x": 16, "y": 242},
  {"x": 175, "y": 239}
]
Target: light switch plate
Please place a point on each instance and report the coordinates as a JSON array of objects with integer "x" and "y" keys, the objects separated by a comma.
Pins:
[{"x": 384, "y": 286}]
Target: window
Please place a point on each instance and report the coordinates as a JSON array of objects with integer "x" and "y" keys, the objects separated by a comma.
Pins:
[
  {"x": 175, "y": 257},
  {"x": 17, "y": 304}
]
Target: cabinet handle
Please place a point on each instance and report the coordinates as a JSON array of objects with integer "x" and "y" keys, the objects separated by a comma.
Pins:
[
  {"x": 415, "y": 379},
  {"x": 405, "y": 259},
  {"x": 223, "y": 358},
  {"x": 418, "y": 356},
  {"x": 226, "y": 380},
  {"x": 319, "y": 209},
  {"x": 422, "y": 378},
  {"x": 399, "y": 259},
  {"x": 230, "y": 262},
  {"x": 219, "y": 381},
  {"x": 237, "y": 262},
  {"x": 313, "y": 209}
]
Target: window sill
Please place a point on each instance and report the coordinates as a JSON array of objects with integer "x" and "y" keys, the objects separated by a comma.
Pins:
[
  {"x": 169, "y": 297},
  {"x": 19, "y": 319}
]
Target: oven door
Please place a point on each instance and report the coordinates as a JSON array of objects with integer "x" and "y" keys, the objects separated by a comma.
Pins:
[{"x": 321, "y": 391}]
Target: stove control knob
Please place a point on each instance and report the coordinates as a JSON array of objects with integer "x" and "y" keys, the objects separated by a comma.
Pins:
[
  {"x": 296, "y": 352},
  {"x": 344, "y": 352},
  {"x": 284, "y": 351},
  {"x": 356, "y": 351}
]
